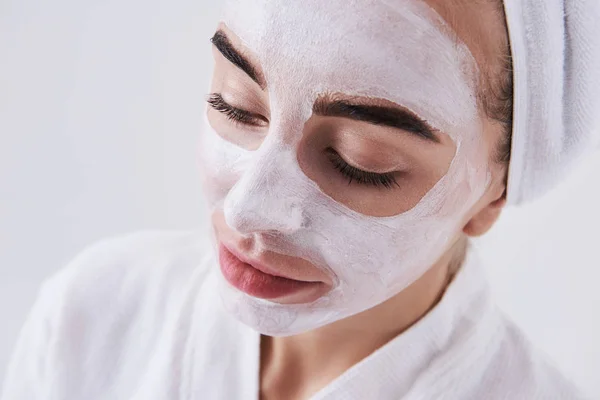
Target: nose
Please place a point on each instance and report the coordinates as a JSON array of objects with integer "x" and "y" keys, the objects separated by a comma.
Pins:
[{"x": 267, "y": 197}]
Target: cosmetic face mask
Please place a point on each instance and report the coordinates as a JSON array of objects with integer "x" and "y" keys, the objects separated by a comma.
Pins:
[{"x": 401, "y": 51}]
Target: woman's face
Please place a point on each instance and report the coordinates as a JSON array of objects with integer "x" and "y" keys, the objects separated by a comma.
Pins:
[{"x": 343, "y": 153}]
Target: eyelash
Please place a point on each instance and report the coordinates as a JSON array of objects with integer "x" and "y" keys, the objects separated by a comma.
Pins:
[
  {"x": 237, "y": 115},
  {"x": 386, "y": 180},
  {"x": 353, "y": 174}
]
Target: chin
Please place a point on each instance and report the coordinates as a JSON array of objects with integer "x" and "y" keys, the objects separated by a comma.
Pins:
[{"x": 275, "y": 319}]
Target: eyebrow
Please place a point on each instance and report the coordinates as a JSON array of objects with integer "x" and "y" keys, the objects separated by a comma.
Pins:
[
  {"x": 223, "y": 44},
  {"x": 398, "y": 118}
]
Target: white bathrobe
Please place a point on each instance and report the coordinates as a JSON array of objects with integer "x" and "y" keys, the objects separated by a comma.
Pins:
[{"x": 139, "y": 317}]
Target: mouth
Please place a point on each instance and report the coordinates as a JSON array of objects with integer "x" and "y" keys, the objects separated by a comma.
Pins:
[{"x": 261, "y": 281}]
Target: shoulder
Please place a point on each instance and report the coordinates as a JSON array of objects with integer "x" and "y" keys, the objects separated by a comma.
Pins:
[
  {"x": 121, "y": 276},
  {"x": 130, "y": 262},
  {"x": 518, "y": 370},
  {"x": 122, "y": 296},
  {"x": 115, "y": 301},
  {"x": 135, "y": 248},
  {"x": 495, "y": 357}
]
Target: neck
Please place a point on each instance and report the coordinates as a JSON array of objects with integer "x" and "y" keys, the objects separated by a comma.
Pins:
[{"x": 296, "y": 367}]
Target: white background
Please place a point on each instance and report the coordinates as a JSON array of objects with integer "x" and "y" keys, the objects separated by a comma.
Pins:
[{"x": 100, "y": 104}]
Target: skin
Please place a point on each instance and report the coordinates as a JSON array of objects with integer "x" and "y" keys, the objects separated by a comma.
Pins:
[{"x": 296, "y": 367}]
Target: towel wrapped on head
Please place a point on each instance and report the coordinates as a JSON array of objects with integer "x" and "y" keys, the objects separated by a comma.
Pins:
[{"x": 555, "y": 48}]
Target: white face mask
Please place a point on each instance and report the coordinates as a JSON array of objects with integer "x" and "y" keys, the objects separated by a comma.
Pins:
[{"x": 397, "y": 50}]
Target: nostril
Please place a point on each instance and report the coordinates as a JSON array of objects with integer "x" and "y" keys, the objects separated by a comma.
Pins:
[{"x": 242, "y": 222}]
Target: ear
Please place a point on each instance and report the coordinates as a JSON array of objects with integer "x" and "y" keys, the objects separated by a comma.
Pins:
[{"x": 481, "y": 222}]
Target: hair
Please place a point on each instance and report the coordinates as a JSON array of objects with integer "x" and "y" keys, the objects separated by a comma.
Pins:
[
  {"x": 497, "y": 94},
  {"x": 496, "y": 99},
  {"x": 495, "y": 86}
]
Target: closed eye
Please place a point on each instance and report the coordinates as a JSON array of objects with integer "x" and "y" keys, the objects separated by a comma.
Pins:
[
  {"x": 235, "y": 114},
  {"x": 353, "y": 174}
]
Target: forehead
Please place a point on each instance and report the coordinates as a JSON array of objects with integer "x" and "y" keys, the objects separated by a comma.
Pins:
[{"x": 400, "y": 50}]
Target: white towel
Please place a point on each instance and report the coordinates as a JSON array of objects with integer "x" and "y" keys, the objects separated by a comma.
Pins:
[{"x": 556, "y": 56}]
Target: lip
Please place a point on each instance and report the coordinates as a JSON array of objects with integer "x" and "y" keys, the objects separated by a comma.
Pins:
[{"x": 260, "y": 281}]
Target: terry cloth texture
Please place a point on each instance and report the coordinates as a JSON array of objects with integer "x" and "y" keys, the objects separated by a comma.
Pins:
[{"x": 556, "y": 56}]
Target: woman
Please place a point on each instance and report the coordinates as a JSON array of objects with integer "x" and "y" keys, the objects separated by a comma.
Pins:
[{"x": 350, "y": 150}]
